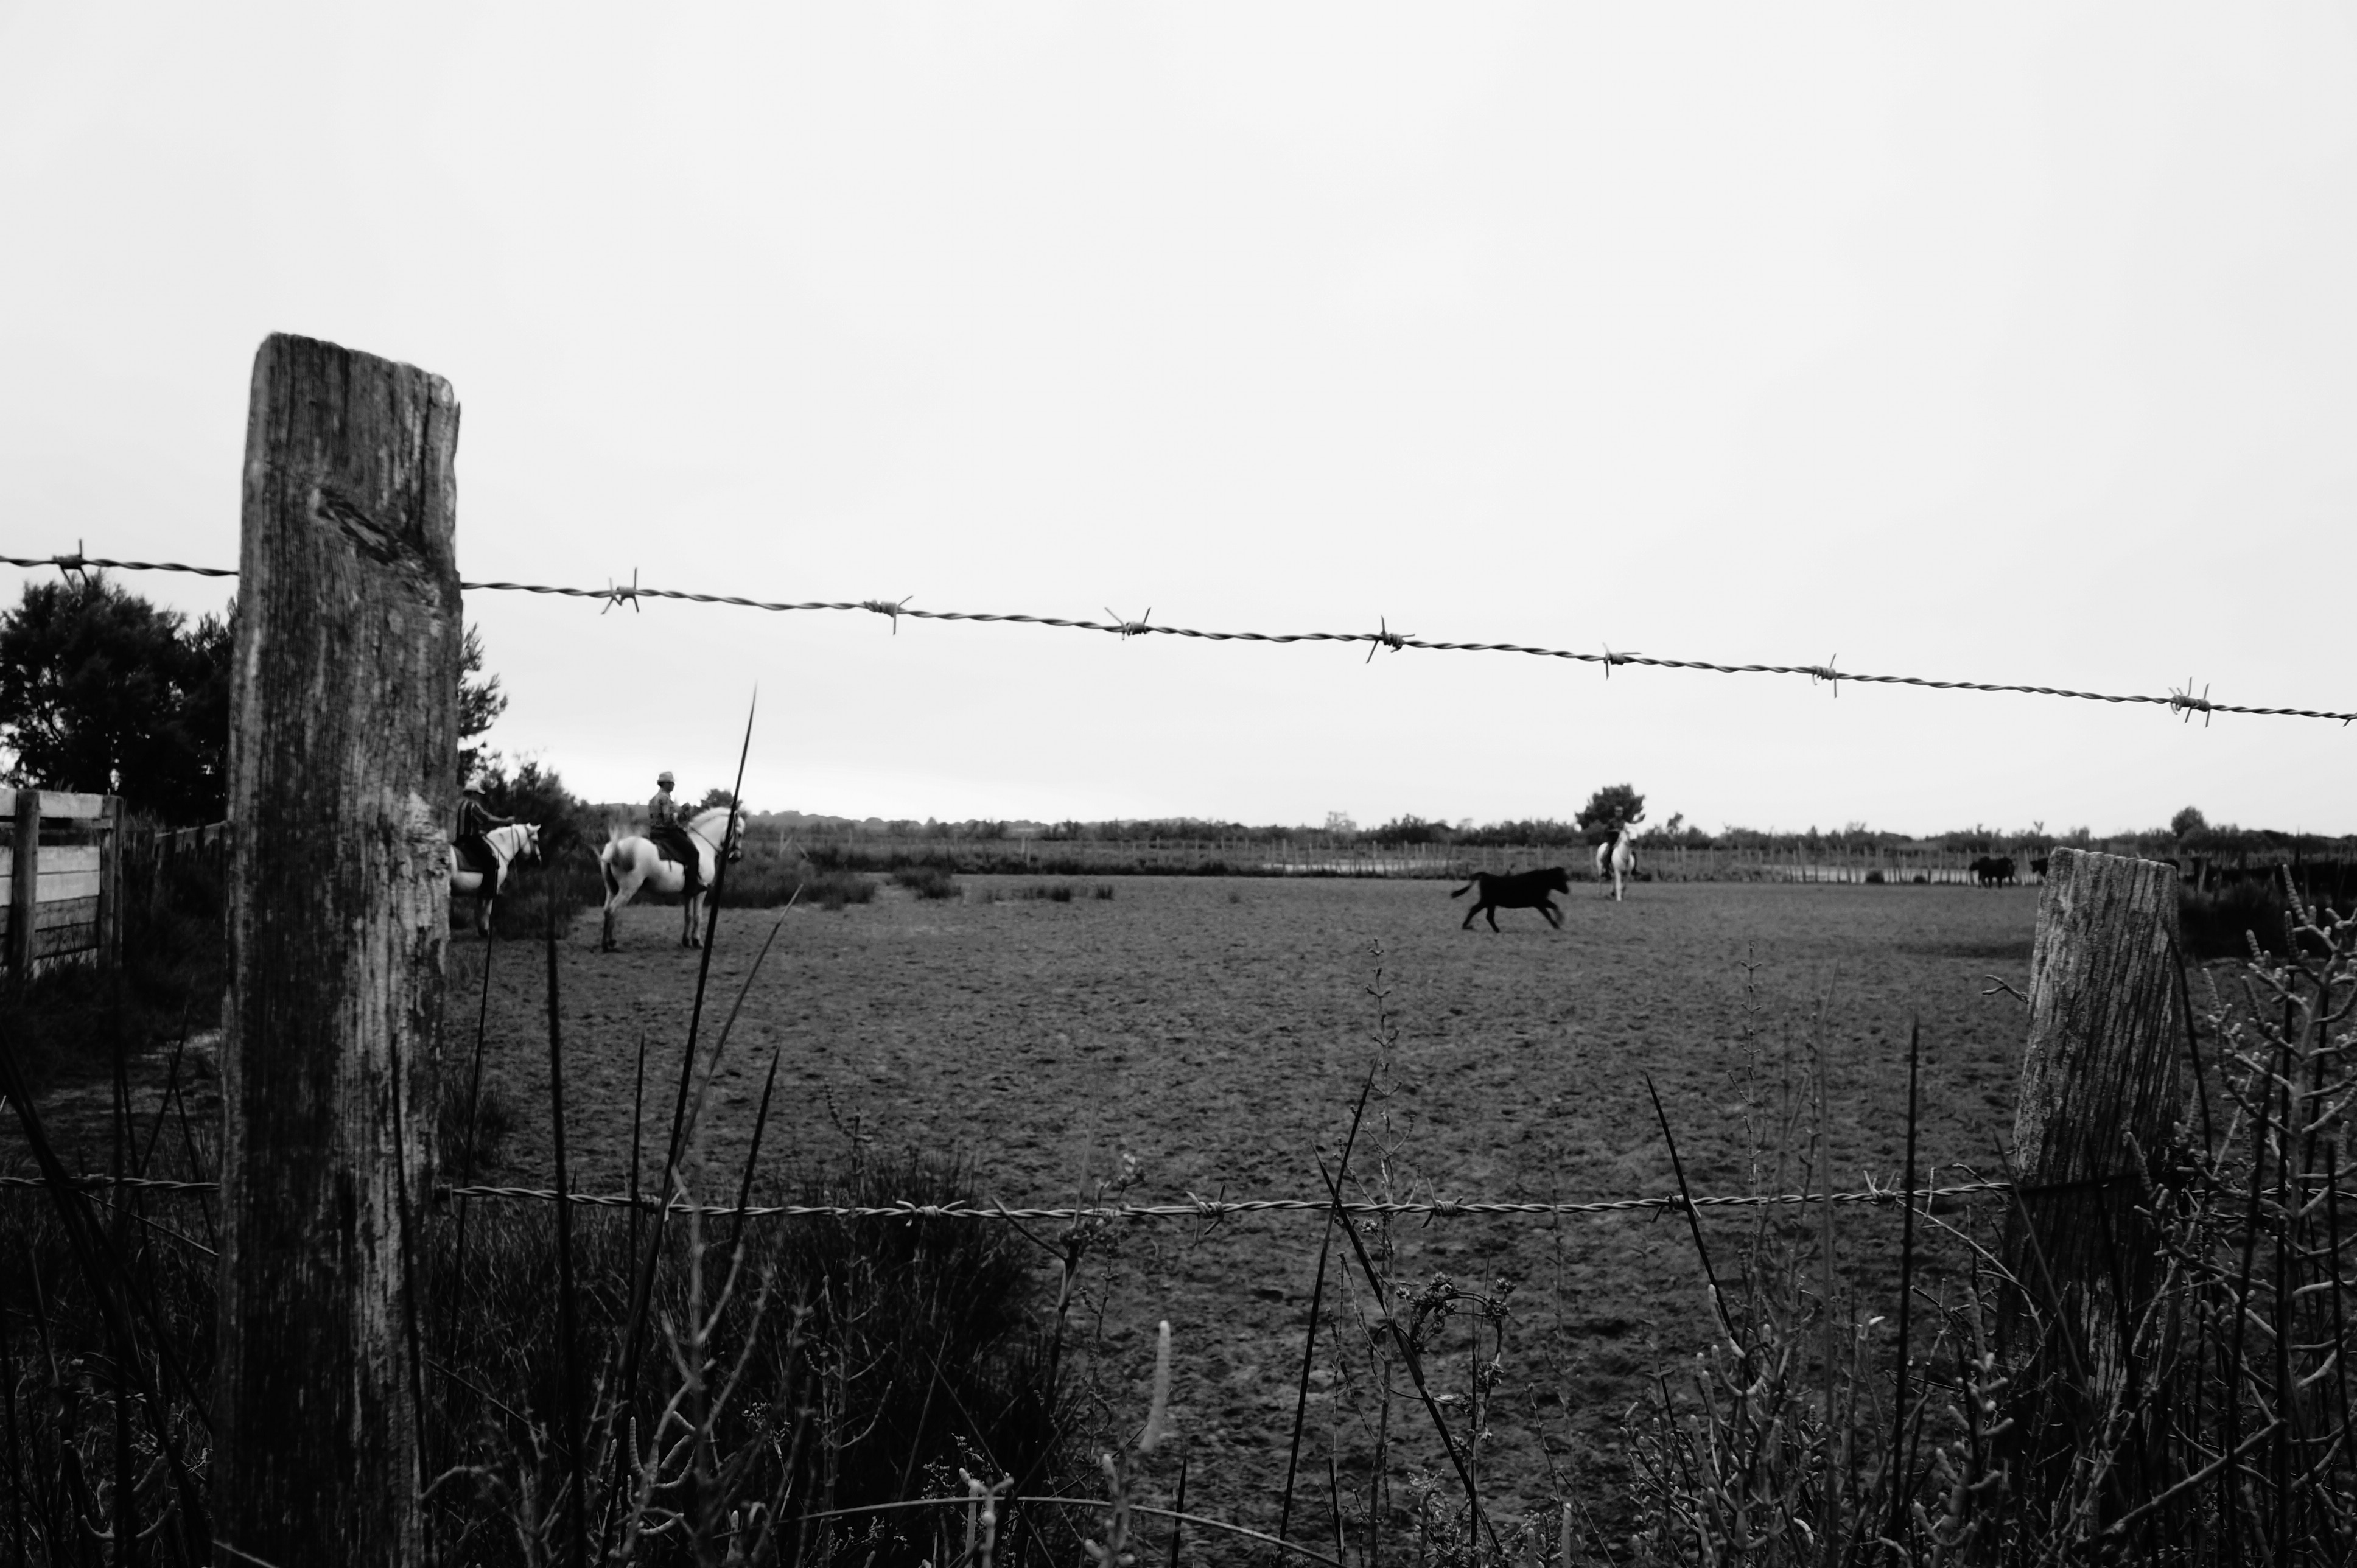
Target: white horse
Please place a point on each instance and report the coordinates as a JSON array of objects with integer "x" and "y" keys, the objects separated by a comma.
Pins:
[
  {"x": 518, "y": 841},
  {"x": 1618, "y": 854},
  {"x": 631, "y": 863}
]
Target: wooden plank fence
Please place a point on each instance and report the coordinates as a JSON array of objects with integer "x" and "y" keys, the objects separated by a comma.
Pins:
[{"x": 63, "y": 865}]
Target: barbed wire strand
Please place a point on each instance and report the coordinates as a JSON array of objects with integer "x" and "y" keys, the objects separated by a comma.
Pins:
[
  {"x": 2183, "y": 703},
  {"x": 1193, "y": 1209}
]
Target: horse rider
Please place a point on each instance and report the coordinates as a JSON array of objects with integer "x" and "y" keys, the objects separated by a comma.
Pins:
[
  {"x": 475, "y": 819},
  {"x": 665, "y": 829}
]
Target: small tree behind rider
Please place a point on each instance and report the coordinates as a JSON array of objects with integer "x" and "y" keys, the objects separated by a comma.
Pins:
[
  {"x": 664, "y": 827},
  {"x": 475, "y": 819}
]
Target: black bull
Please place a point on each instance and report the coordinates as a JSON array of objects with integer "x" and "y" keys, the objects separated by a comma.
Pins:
[{"x": 1522, "y": 890}]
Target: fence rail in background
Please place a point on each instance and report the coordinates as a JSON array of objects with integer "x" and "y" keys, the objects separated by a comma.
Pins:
[
  {"x": 62, "y": 864},
  {"x": 154, "y": 856},
  {"x": 2184, "y": 704}
]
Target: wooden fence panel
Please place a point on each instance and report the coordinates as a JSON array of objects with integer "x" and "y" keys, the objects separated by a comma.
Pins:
[{"x": 58, "y": 905}]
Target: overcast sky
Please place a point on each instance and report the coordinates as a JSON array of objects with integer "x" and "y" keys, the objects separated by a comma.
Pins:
[{"x": 2009, "y": 344}]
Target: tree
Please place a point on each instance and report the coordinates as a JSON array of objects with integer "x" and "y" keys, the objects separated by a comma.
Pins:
[
  {"x": 103, "y": 692},
  {"x": 480, "y": 703},
  {"x": 533, "y": 794},
  {"x": 2188, "y": 823},
  {"x": 719, "y": 797},
  {"x": 1610, "y": 810}
]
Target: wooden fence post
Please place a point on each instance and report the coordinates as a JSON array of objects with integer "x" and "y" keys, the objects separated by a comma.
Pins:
[
  {"x": 24, "y": 884},
  {"x": 110, "y": 882},
  {"x": 2102, "y": 1086},
  {"x": 342, "y": 743}
]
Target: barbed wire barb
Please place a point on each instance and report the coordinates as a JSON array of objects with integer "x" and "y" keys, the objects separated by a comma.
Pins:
[
  {"x": 72, "y": 565},
  {"x": 615, "y": 595},
  {"x": 1129, "y": 628},
  {"x": 1826, "y": 671},
  {"x": 2185, "y": 704},
  {"x": 1386, "y": 637},
  {"x": 1611, "y": 658},
  {"x": 894, "y": 608}
]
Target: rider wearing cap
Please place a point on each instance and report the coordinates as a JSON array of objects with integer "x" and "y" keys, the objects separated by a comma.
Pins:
[
  {"x": 668, "y": 831},
  {"x": 475, "y": 819}
]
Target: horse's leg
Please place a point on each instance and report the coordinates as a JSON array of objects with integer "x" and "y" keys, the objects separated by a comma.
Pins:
[
  {"x": 1468, "y": 916},
  {"x": 1493, "y": 917},
  {"x": 1554, "y": 918},
  {"x": 616, "y": 895}
]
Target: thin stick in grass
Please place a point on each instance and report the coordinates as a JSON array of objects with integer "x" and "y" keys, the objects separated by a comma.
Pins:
[
  {"x": 16, "y": 1443},
  {"x": 1334, "y": 1501},
  {"x": 457, "y": 1289},
  {"x": 1898, "y": 1491},
  {"x": 1317, "y": 1299},
  {"x": 2340, "y": 1322},
  {"x": 1694, "y": 1215},
  {"x": 569, "y": 1342},
  {"x": 753, "y": 1156},
  {"x": 126, "y": 1491},
  {"x": 1178, "y": 1513},
  {"x": 638, "y": 1117},
  {"x": 163, "y": 1101},
  {"x": 1415, "y": 1364},
  {"x": 642, "y": 1285}
]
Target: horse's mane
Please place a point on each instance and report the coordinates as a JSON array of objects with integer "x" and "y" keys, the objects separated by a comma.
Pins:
[{"x": 703, "y": 818}]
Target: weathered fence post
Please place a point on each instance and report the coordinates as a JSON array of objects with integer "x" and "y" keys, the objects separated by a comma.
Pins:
[
  {"x": 110, "y": 882},
  {"x": 2102, "y": 1086},
  {"x": 342, "y": 742},
  {"x": 24, "y": 883}
]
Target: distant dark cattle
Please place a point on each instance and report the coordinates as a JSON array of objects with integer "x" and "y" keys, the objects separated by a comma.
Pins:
[
  {"x": 1994, "y": 870},
  {"x": 1522, "y": 890},
  {"x": 2037, "y": 867}
]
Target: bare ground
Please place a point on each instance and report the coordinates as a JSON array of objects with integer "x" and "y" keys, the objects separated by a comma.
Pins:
[{"x": 1217, "y": 1031}]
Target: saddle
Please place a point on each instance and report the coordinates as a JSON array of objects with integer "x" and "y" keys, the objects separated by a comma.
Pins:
[
  {"x": 674, "y": 844},
  {"x": 477, "y": 857}
]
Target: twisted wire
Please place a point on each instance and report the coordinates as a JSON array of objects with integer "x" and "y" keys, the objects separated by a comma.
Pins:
[
  {"x": 1193, "y": 1209},
  {"x": 2182, "y": 703}
]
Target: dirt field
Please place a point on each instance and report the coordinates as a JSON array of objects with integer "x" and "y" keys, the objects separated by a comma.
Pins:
[{"x": 1218, "y": 1030}]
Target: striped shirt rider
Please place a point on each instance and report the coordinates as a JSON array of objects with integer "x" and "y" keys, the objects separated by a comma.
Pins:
[
  {"x": 668, "y": 829},
  {"x": 475, "y": 820}
]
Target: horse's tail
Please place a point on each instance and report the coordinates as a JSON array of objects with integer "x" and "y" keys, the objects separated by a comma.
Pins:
[{"x": 1467, "y": 888}]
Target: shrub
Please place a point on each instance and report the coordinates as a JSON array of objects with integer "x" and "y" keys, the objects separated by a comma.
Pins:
[
  {"x": 2222, "y": 921},
  {"x": 1783, "y": 1446},
  {"x": 66, "y": 1019},
  {"x": 1873, "y": 878},
  {"x": 927, "y": 881},
  {"x": 871, "y": 1359}
]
